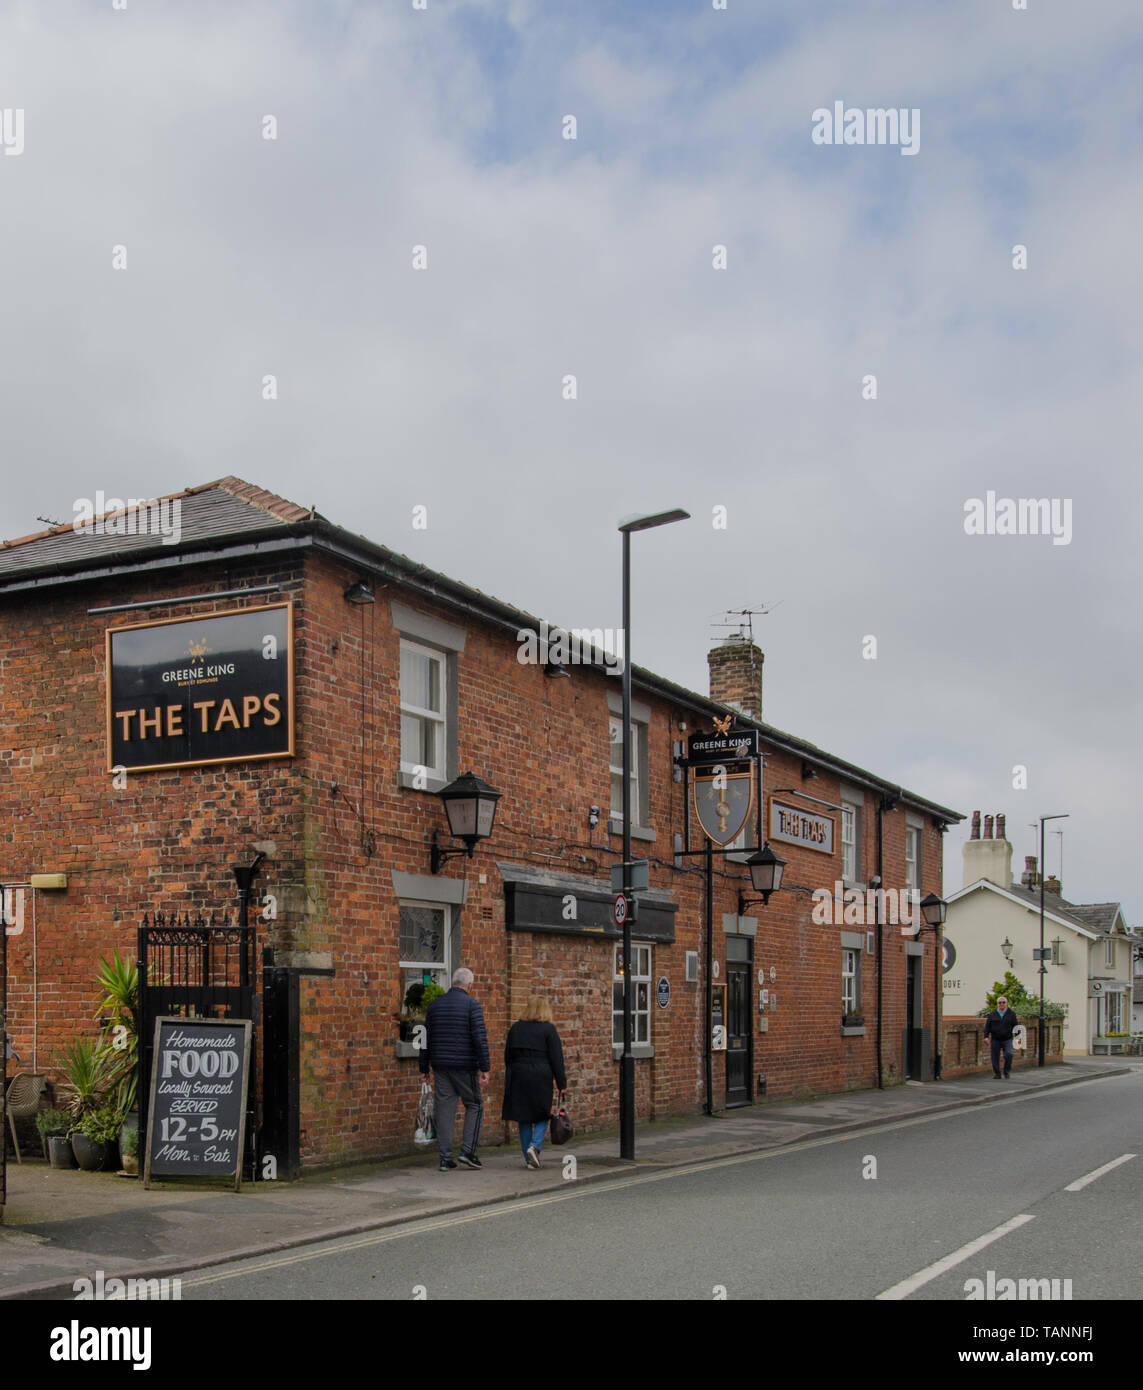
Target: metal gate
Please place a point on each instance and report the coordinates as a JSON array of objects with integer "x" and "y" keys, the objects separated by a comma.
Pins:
[{"x": 193, "y": 967}]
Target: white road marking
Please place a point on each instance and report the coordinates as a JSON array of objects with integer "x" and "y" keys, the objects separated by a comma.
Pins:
[
  {"x": 599, "y": 1188},
  {"x": 914, "y": 1281},
  {"x": 1099, "y": 1172}
]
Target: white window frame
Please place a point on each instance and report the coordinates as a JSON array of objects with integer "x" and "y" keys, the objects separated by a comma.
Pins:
[
  {"x": 849, "y": 821},
  {"x": 912, "y": 860},
  {"x": 642, "y": 963},
  {"x": 850, "y": 981},
  {"x": 1109, "y": 953},
  {"x": 1106, "y": 1020},
  {"x": 616, "y": 770},
  {"x": 440, "y": 718},
  {"x": 444, "y": 969}
]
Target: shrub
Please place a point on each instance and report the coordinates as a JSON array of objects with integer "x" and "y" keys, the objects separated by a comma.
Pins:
[
  {"x": 53, "y": 1122},
  {"x": 1019, "y": 1000}
]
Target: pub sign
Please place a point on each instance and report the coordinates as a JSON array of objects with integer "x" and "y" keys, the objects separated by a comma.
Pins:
[
  {"x": 209, "y": 689},
  {"x": 723, "y": 796}
]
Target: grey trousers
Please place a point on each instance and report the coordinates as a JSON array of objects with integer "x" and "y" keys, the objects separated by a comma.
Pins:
[{"x": 450, "y": 1087}]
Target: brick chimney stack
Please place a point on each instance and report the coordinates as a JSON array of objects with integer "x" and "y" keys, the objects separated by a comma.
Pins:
[
  {"x": 736, "y": 675},
  {"x": 987, "y": 856},
  {"x": 1030, "y": 878},
  {"x": 1052, "y": 885}
]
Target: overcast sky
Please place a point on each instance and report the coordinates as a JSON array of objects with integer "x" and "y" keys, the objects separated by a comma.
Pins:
[{"x": 697, "y": 387}]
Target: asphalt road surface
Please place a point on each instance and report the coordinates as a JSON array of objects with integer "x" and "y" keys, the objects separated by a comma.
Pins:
[{"x": 954, "y": 1196}]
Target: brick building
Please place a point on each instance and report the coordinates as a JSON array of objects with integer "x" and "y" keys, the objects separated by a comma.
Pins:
[{"x": 391, "y": 681}]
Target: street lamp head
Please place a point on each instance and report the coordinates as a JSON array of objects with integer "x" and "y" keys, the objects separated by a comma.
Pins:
[
  {"x": 765, "y": 871},
  {"x": 934, "y": 910},
  {"x": 645, "y": 523}
]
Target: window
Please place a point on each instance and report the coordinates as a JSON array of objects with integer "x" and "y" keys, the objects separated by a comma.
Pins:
[
  {"x": 1109, "y": 953},
  {"x": 849, "y": 996},
  {"x": 616, "y": 729},
  {"x": 640, "y": 996},
  {"x": 912, "y": 857},
  {"x": 423, "y": 940},
  {"x": 424, "y": 713},
  {"x": 1113, "y": 1014},
  {"x": 850, "y": 857}
]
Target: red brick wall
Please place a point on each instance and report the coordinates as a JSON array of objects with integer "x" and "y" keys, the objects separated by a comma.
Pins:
[{"x": 171, "y": 836}]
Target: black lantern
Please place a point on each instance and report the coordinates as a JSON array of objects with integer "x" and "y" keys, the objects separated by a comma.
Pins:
[
  {"x": 470, "y": 805},
  {"x": 934, "y": 910},
  {"x": 765, "y": 874}
]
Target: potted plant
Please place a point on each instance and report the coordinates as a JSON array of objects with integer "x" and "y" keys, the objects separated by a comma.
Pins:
[
  {"x": 129, "y": 1152},
  {"x": 119, "y": 981},
  {"x": 853, "y": 1020},
  {"x": 89, "y": 1071},
  {"x": 94, "y": 1140},
  {"x": 53, "y": 1126}
]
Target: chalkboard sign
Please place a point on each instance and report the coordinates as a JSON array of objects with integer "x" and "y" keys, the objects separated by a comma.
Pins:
[{"x": 197, "y": 1113}]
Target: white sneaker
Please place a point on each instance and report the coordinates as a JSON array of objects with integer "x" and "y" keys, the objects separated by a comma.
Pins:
[{"x": 533, "y": 1156}]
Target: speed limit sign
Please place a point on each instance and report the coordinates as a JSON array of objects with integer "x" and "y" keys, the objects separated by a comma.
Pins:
[{"x": 619, "y": 910}]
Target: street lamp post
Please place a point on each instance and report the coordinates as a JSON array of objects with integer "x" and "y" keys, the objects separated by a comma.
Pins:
[
  {"x": 627, "y": 1064},
  {"x": 934, "y": 910},
  {"x": 1043, "y": 967}
]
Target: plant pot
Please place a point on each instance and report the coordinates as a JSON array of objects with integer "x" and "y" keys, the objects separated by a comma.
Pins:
[
  {"x": 60, "y": 1152},
  {"x": 130, "y": 1123},
  {"x": 130, "y": 1167},
  {"x": 90, "y": 1154}
]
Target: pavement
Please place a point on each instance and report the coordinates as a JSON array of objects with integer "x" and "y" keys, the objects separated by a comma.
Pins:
[{"x": 60, "y": 1226}]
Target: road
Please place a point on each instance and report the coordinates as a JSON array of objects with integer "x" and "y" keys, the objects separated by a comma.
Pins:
[{"x": 886, "y": 1213}]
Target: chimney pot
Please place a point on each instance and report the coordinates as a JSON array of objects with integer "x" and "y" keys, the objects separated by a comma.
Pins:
[
  {"x": 988, "y": 827},
  {"x": 1000, "y": 831},
  {"x": 975, "y": 826}
]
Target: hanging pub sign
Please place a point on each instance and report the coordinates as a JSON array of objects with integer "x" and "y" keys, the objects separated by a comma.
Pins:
[
  {"x": 196, "y": 1116},
  {"x": 723, "y": 745},
  {"x": 723, "y": 796},
  {"x": 208, "y": 689},
  {"x": 797, "y": 827}
]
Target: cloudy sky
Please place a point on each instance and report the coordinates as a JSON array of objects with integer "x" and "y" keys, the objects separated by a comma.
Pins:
[{"x": 742, "y": 387}]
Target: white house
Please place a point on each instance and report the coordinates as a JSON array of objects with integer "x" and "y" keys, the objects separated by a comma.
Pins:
[{"x": 994, "y": 925}]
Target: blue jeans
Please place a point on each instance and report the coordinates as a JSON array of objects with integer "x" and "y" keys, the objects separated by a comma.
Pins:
[{"x": 532, "y": 1134}]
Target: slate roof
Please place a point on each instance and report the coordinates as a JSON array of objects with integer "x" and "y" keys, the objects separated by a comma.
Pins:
[
  {"x": 1100, "y": 917},
  {"x": 1094, "y": 917},
  {"x": 228, "y": 507},
  {"x": 231, "y": 511}
]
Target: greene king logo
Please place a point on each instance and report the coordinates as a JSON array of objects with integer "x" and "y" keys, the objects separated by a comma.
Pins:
[
  {"x": 850, "y": 125},
  {"x": 112, "y": 516}
]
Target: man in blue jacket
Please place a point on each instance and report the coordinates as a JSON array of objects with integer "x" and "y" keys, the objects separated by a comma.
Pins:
[{"x": 455, "y": 1055}]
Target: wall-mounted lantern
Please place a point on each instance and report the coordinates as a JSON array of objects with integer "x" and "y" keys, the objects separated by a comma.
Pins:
[
  {"x": 470, "y": 805},
  {"x": 765, "y": 875}
]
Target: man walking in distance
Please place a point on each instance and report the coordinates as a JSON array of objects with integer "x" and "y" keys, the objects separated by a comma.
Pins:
[
  {"x": 455, "y": 1054},
  {"x": 999, "y": 1026}
]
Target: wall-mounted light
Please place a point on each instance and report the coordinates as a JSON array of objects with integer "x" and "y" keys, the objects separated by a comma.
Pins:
[
  {"x": 360, "y": 592},
  {"x": 553, "y": 668},
  {"x": 1006, "y": 948},
  {"x": 765, "y": 876},
  {"x": 470, "y": 805},
  {"x": 934, "y": 910},
  {"x": 809, "y": 773},
  {"x": 593, "y": 816}
]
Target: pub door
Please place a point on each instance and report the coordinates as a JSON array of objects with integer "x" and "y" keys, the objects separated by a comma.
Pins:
[{"x": 739, "y": 1020}]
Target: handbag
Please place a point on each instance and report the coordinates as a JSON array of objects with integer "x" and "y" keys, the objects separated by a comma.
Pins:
[
  {"x": 559, "y": 1125},
  {"x": 426, "y": 1130}
]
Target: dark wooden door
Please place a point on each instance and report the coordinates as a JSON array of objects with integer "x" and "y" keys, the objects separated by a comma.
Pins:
[{"x": 739, "y": 1023}]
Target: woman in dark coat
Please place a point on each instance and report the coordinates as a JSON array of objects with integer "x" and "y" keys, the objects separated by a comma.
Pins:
[{"x": 533, "y": 1061}]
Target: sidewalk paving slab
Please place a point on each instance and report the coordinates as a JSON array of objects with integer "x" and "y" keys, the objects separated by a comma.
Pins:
[{"x": 62, "y": 1226}]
